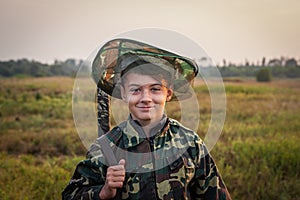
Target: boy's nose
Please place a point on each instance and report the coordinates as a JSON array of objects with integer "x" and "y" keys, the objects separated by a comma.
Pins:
[{"x": 146, "y": 95}]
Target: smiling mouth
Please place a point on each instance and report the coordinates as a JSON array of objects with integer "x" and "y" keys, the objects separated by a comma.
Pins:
[{"x": 145, "y": 108}]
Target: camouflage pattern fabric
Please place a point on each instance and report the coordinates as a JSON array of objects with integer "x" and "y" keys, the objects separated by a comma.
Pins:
[
  {"x": 106, "y": 68},
  {"x": 103, "y": 102},
  {"x": 175, "y": 165}
]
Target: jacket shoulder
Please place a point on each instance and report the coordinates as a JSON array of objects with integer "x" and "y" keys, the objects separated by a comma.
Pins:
[
  {"x": 113, "y": 136},
  {"x": 176, "y": 126}
]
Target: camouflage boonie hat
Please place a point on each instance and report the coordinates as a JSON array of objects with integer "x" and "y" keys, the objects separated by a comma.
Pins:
[{"x": 117, "y": 55}]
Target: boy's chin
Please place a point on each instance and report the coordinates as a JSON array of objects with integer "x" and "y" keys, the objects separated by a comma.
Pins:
[{"x": 148, "y": 121}]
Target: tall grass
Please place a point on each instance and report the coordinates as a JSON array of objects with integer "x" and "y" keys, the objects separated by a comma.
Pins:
[
  {"x": 31, "y": 177},
  {"x": 36, "y": 117},
  {"x": 257, "y": 153}
]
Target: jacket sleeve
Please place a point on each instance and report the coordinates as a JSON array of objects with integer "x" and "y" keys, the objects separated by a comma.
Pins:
[
  {"x": 88, "y": 178},
  {"x": 207, "y": 183}
]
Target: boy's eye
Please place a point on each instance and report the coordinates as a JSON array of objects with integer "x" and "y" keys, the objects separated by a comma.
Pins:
[
  {"x": 135, "y": 90},
  {"x": 156, "y": 89}
]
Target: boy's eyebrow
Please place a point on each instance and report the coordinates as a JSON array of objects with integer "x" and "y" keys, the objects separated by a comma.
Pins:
[{"x": 138, "y": 85}]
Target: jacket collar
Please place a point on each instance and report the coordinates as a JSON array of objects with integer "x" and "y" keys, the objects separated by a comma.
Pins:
[{"x": 134, "y": 133}]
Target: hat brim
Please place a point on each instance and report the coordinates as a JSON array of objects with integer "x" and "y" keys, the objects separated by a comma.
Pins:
[{"x": 108, "y": 66}]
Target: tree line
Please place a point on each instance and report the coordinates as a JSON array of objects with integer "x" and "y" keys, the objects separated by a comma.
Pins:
[
  {"x": 251, "y": 71},
  {"x": 278, "y": 68},
  {"x": 25, "y": 67}
]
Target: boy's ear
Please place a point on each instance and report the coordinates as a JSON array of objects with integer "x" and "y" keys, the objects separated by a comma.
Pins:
[
  {"x": 169, "y": 94},
  {"x": 123, "y": 94}
]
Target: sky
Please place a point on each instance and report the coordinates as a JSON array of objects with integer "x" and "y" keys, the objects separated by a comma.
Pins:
[{"x": 235, "y": 30}]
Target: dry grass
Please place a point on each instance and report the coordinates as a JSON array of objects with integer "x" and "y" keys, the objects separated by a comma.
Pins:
[{"x": 257, "y": 152}]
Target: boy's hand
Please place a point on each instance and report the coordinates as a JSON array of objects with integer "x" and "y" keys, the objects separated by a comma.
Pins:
[{"x": 114, "y": 179}]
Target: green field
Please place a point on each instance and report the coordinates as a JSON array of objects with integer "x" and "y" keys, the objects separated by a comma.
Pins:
[{"x": 257, "y": 153}]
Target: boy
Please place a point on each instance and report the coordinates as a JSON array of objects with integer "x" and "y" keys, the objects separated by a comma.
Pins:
[{"x": 158, "y": 158}]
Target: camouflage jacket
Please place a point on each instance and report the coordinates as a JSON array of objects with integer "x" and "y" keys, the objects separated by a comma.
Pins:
[{"x": 173, "y": 164}]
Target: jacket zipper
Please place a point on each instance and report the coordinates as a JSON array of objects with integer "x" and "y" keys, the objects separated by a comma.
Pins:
[{"x": 151, "y": 143}]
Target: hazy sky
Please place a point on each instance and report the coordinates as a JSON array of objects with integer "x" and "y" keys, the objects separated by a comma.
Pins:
[{"x": 45, "y": 30}]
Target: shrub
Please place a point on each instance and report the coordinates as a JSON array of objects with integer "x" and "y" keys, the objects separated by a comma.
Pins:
[
  {"x": 38, "y": 96},
  {"x": 263, "y": 75}
]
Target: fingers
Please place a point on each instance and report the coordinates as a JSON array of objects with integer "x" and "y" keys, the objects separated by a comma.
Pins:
[
  {"x": 116, "y": 175},
  {"x": 119, "y": 167},
  {"x": 122, "y": 162},
  {"x": 114, "y": 184}
]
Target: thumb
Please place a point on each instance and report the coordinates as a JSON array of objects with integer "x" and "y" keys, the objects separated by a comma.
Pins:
[{"x": 122, "y": 162}]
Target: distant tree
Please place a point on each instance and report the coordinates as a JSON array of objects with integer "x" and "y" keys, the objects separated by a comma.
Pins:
[
  {"x": 263, "y": 75},
  {"x": 247, "y": 63},
  {"x": 4, "y": 70},
  {"x": 274, "y": 62},
  {"x": 263, "y": 61},
  {"x": 224, "y": 62},
  {"x": 282, "y": 60},
  {"x": 292, "y": 62},
  {"x": 292, "y": 71}
]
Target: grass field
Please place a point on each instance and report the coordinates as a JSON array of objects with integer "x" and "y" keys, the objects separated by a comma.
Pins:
[{"x": 257, "y": 153}]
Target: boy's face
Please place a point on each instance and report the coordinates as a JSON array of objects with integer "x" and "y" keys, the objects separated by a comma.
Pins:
[{"x": 146, "y": 97}]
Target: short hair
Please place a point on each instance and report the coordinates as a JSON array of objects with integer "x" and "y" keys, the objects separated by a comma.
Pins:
[{"x": 163, "y": 76}]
